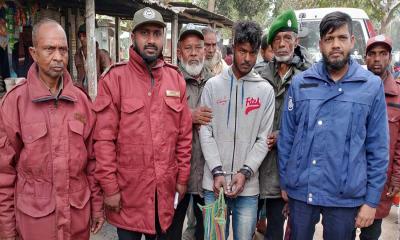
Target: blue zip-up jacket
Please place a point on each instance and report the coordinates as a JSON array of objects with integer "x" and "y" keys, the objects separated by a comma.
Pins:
[{"x": 334, "y": 144}]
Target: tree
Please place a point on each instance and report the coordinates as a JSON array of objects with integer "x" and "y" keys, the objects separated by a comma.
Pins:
[{"x": 238, "y": 9}]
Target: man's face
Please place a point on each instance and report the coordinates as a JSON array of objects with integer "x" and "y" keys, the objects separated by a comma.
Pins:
[
  {"x": 336, "y": 46},
  {"x": 51, "y": 50},
  {"x": 191, "y": 54},
  {"x": 244, "y": 57},
  {"x": 283, "y": 46},
  {"x": 378, "y": 59},
  {"x": 148, "y": 41},
  {"x": 210, "y": 45},
  {"x": 83, "y": 39},
  {"x": 267, "y": 54}
]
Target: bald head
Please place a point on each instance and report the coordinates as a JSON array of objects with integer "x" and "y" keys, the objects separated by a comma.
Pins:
[
  {"x": 43, "y": 27},
  {"x": 50, "y": 49}
]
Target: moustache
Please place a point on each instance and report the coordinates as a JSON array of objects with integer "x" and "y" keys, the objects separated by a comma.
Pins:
[
  {"x": 151, "y": 46},
  {"x": 57, "y": 65},
  {"x": 245, "y": 65},
  {"x": 336, "y": 52}
]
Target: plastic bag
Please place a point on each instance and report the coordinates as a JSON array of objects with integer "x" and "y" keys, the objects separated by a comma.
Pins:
[{"x": 214, "y": 216}]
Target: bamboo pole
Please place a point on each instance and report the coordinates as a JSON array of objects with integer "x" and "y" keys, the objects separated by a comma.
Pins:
[{"x": 91, "y": 71}]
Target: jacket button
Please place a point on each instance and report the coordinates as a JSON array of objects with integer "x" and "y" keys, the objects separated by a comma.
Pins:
[
  {"x": 340, "y": 89},
  {"x": 310, "y": 195},
  {"x": 314, "y": 162},
  {"x": 320, "y": 122},
  {"x": 149, "y": 94},
  {"x": 310, "y": 199}
]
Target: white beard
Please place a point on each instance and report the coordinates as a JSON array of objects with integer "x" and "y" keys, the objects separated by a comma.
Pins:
[
  {"x": 283, "y": 58},
  {"x": 193, "y": 69},
  {"x": 213, "y": 61}
]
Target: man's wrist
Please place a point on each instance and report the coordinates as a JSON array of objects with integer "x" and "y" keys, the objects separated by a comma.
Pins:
[
  {"x": 217, "y": 172},
  {"x": 246, "y": 171}
]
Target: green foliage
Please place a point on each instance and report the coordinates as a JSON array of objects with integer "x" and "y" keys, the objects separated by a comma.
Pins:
[{"x": 238, "y": 9}]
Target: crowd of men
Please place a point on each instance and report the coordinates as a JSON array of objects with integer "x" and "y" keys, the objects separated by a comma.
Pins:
[{"x": 285, "y": 136}]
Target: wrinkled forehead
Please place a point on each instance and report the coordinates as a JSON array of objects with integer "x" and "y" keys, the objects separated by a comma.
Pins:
[{"x": 210, "y": 38}]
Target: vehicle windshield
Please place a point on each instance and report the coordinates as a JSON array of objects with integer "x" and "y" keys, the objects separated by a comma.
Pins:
[{"x": 309, "y": 38}]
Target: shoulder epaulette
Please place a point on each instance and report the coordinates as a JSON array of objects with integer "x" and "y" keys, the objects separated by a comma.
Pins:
[
  {"x": 19, "y": 84},
  {"x": 112, "y": 66},
  {"x": 172, "y": 66}
]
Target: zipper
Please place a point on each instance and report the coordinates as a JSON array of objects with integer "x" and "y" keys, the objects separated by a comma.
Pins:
[
  {"x": 234, "y": 133},
  {"x": 151, "y": 75}
]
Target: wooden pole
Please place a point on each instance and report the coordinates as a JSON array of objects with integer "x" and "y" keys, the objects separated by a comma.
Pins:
[
  {"x": 116, "y": 39},
  {"x": 174, "y": 39},
  {"x": 91, "y": 71}
]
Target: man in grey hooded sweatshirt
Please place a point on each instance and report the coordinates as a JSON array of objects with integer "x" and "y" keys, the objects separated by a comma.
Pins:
[{"x": 234, "y": 142}]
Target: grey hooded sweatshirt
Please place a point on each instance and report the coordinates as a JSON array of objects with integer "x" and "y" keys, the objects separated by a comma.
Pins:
[{"x": 243, "y": 114}]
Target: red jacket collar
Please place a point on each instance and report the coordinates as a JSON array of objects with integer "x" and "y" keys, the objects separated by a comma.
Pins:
[
  {"x": 390, "y": 85},
  {"x": 38, "y": 92},
  {"x": 137, "y": 61}
]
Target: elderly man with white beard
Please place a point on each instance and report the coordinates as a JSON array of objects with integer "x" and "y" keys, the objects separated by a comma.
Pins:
[
  {"x": 213, "y": 62},
  {"x": 191, "y": 63},
  {"x": 289, "y": 60}
]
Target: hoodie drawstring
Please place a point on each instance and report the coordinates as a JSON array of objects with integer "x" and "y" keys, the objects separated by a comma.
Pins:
[
  {"x": 230, "y": 99},
  {"x": 229, "y": 104},
  {"x": 242, "y": 93}
]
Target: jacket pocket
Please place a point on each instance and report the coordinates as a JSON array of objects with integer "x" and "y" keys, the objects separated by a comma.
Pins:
[
  {"x": 34, "y": 198},
  {"x": 36, "y": 152},
  {"x": 355, "y": 184},
  {"x": 293, "y": 164},
  {"x": 174, "y": 103},
  {"x": 133, "y": 121},
  {"x": 33, "y": 132},
  {"x": 80, "y": 198},
  {"x": 172, "y": 114},
  {"x": 101, "y": 103},
  {"x": 77, "y": 147}
]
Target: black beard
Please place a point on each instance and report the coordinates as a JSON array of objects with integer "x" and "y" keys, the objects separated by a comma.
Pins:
[
  {"x": 336, "y": 65},
  {"x": 148, "y": 59}
]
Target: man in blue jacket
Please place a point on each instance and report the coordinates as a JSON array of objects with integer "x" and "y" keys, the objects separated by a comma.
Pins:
[{"x": 333, "y": 143}]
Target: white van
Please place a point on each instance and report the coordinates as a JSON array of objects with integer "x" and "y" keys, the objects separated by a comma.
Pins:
[{"x": 309, "y": 20}]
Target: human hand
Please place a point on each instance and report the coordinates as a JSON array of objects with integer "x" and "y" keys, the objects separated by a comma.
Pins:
[
  {"x": 201, "y": 115},
  {"x": 113, "y": 202},
  {"x": 365, "y": 217}
]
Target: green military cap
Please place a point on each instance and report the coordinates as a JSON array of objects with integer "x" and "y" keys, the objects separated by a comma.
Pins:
[
  {"x": 190, "y": 29},
  {"x": 147, "y": 15},
  {"x": 286, "y": 21}
]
